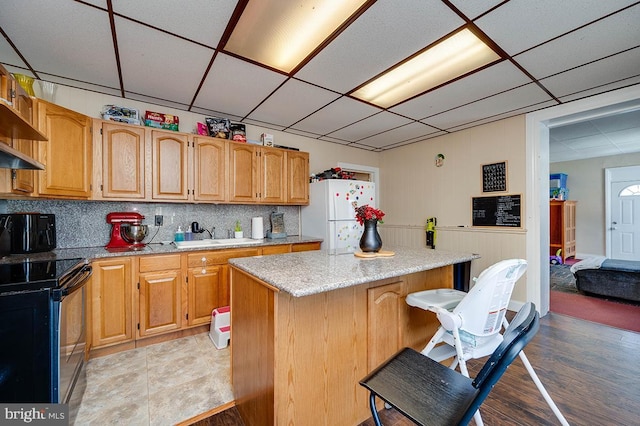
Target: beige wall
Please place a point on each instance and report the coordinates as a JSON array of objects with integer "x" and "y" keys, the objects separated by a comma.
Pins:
[
  {"x": 413, "y": 189},
  {"x": 586, "y": 186}
]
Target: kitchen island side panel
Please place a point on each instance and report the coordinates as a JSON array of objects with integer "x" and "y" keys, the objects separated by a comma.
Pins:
[{"x": 309, "y": 372}]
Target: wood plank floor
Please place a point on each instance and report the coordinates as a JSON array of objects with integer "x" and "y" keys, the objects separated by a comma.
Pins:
[{"x": 590, "y": 370}]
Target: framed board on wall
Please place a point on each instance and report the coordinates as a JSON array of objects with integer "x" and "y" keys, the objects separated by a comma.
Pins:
[
  {"x": 498, "y": 210},
  {"x": 494, "y": 177}
]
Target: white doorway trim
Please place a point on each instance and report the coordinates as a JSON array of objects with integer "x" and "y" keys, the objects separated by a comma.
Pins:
[{"x": 537, "y": 183}]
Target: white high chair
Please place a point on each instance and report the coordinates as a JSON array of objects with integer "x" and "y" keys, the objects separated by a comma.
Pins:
[{"x": 471, "y": 322}]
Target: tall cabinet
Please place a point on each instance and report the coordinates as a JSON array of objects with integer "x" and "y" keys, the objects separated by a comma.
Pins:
[{"x": 562, "y": 226}]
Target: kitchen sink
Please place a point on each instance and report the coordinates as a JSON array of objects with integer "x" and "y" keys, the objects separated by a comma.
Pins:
[{"x": 215, "y": 243}]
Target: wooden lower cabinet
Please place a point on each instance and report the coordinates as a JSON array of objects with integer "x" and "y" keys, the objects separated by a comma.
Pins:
[
  {"x": 160, "y": 294},
  {"x": 111, "y": 295}
]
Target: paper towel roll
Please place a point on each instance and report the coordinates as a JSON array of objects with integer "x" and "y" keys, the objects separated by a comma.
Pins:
[{"x": 257, "y": 228}]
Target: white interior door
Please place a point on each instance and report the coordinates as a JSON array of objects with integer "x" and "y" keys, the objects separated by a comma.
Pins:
[{"x": 625, "y": 220}]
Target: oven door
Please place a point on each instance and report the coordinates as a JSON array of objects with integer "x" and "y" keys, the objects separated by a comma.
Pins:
[{"x": 69, "y": 315}]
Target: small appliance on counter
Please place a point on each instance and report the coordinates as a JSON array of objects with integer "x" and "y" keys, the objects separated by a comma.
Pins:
[
  {"x": 127, "y": 230},
  {"x": 27, "y": 233},
  {"x": 431, "y": 232}
]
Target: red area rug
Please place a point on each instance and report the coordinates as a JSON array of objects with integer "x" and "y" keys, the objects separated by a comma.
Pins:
[{"x": 619, "y": 315}]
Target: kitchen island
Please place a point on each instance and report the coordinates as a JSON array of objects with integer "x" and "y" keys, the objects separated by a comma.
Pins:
[{"x": 306, "y": 327}]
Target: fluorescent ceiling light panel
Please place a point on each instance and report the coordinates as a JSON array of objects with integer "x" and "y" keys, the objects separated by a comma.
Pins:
[
  {"x": 281, "y": 34},
  {"x": 455, "y": 56}
]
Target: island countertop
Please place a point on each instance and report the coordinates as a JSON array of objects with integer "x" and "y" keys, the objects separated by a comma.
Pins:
[{"x": 306, "y": 273}]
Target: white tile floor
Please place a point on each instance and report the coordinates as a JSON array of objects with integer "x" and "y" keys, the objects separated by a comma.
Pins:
[{"x": 159, "y": 385}]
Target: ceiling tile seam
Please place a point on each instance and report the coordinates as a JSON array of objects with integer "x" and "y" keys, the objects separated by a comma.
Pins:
[
  {"x": 202, "y": 80},
  {"x": 131, "y": 92},
  {"x": 116, "y": 51},
  {"x": 266, "y": 98},
  {"x": 351, "y": 124},
  {"x": 578, "y": 28},
  {"x": 311, "y": 113},
  {"x": 396, "y": 128},
  {"x": 492, "y": 118},
  {"x": 488, "y": 11},
  {"x": 15, "y": 49}
]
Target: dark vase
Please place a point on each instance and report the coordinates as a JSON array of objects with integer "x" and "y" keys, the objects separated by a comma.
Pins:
[{"x": 370, "y": 241}]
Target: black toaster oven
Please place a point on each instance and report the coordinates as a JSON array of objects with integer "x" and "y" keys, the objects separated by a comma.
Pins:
[{"x": 27, "y": 233}]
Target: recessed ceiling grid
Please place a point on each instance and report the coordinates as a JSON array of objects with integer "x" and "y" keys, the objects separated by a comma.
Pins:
[{"x": 174, "y": 54}]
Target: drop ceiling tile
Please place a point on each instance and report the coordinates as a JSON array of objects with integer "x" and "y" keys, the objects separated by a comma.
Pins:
[
  {"x": 378, "y": 123},
  {"x": 575, "y": 131},
  {"x": 146, "y": 70},
  {"x": 508, "y": 114},
  {"x": 264, "y": 124},
  {"x": 629, "y": 136},
  {"x": 236, "y": 86},
  {"x": 628, "y": 147},
  {"x": 159, "y": 102},
  {"x": 334, "y": 140},
  {"x": 383, "y": 36},
  {"x": 521, "y": 24},
  {"x": 301, "y": 133},
  {"x": 203, "y": 21},
  {"x": 335, "y": 116},
  {"x": 627, "y": 82},
  {"x": 292, "y": 102},
  {"x": 112, "y": 91},
  {"x": 407, "y": 132},
  {"x": 213, "y": 113},
  {"x": 593, "y": 141},
  {"x": 605, "y": 71},
  {"x": 8, "y": 56},
  {"x": 515, "y": 99},
  {"x": 83, "y": 48},
  {"x": 497, "y": 78},
  {"x": 585, "y": 45},
  {"x": 473, "y": 9},
  {"x": 618, "y": 122}
]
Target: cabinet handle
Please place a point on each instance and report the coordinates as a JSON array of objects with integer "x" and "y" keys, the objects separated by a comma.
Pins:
[{"x": 204, "y": 265}]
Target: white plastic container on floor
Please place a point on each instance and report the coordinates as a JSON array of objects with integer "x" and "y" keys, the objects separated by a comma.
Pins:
[{"x": 220, "y": 332}]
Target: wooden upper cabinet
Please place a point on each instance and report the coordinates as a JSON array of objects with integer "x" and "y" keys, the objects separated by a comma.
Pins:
[
  {"x": 297, "y": 177},
  {"x": 67, "y": 155},
  {"x": 123, "y": 161},
  {"x": 210, "y": 169},
  {"x": 273, "y": 172},
  {"x": 244, "y": 174},
  {"x": 169, "y": 158}
]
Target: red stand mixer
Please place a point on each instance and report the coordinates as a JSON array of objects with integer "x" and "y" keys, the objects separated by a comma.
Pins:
[{"x": 127, "y": 230}]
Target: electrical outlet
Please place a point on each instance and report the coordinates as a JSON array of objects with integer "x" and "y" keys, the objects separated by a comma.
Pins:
[{"x": 159, "y": 220}]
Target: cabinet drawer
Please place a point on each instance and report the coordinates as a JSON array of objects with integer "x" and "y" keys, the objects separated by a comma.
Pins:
[
  {"x": 219, "y": 257},
  {"x": 159, "y": 263},
  {"x": 305, "y": 247},
  {"x": 282, "y": 248}
]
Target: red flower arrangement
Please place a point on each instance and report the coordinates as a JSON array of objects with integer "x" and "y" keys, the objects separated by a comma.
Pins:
[{"x": 366, "y": 212}]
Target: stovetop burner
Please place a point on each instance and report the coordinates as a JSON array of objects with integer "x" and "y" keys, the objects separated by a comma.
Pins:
[{"x": 34, "y": 275}]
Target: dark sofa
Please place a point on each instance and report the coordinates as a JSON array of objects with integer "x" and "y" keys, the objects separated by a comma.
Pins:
[{"x": 614, "y": 278}]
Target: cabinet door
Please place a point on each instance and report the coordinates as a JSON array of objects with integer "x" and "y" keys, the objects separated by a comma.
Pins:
[
  {"x": 111, "y": 306},
  {"x": 123, "y": 161},
  {"x": 203, "y": 287},
  {"x": 385, "y": 322},
  {"x": 169, "y": 152},
  {"x": 297, "y": 177},
  {"x": 67, "y": 154},
  {"x": 210, "y": 169},
  {"x": 160, "y": 302},
  {"x": 243, "y": 178},
  {"x": 273, "y": 172}
]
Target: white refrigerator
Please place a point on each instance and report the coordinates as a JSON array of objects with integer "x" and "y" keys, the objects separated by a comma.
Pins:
[{"x": 331, "y": 213}]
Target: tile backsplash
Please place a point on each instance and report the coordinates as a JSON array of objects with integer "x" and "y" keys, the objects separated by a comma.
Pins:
[{"x": 83, "y": 223}]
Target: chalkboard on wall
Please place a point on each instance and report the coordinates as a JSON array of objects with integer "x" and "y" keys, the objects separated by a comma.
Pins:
[{"x": 500, "y": 210}]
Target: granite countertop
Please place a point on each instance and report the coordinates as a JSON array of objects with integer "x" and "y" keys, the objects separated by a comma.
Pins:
[
  {"x": 93, "y": 253},
  {"x": 312, "y": 272}
]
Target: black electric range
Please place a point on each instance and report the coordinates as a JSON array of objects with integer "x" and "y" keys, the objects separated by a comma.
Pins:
[{"x": 34, "y": 275}]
